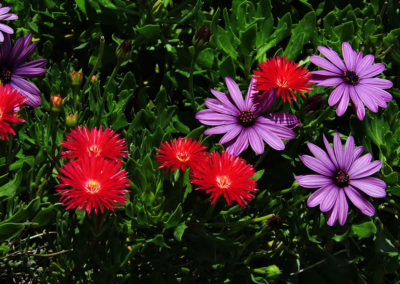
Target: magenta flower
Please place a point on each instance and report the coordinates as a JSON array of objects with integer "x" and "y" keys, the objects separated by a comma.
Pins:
[
  {"x": 241, "y": 120},
  {"x": 340, "y": 173},
  {"x": 14, "y": 70},
  {"x": 353, "y": 79},
  {"x": 4, "y": 16}
]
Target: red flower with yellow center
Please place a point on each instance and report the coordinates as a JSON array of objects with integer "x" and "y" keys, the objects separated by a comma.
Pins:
[
  {"x": 284, "y": 75},
  {"x": 93, "y": 143},
  {"x": 92, "y": 183},
  {"x": 227, "y": 175},
  {"x": 10, "y": 100},
  {"x": 179, "y": 153}
]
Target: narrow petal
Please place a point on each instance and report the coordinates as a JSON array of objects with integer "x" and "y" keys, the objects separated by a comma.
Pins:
[
  {"x": 360, "y": 110},
  {"x": 323, "y": 63},
  {"x": 281, "y": 131},
  {"x": 367, "y": 97},
  {"x": 371, "y": 70},
  {"x": 330, "y": 82},
  {"x": 364, "y": 65},
  {"x": 231, "y": 134},
  {"x": 332, "y": 215},
  {"x": 337, "y": 94},
  {"x": 339, "y": 152},
  {"x": 210, "y": 117},
  {"x": 344, "y": 101},
  {"x": 266, "y": 102},
  {"x": 318, "y": 196},
  {"x": 256, "y": 141},
  {"x": 6, "y": 29},
  {"x": 219, "y": 107},
  {"x": 241, "y": 143},
  {"x": 343, "y": 207},
  {"x": 223, "y": 98},
  {"x": 321, "y": 156},
  {"x": 372, "y": 186},
  {"x": 270, "y": 137},
  {"x": 27, "y": 89},
  {"x": 332, "y": 56},
  {"x": 330, "y": 198},
  {"x": 284, "y": 119},
  {"x": 313, "y": 181},
  {"x": 315, "y": 165},
  {"x": 220, "y": 129},
  {"x": 325, "y": 73},
  {"x": 251, "y": 93},
  {"x": 235, "y": 93},
  {"x": 363, "y": 167},
  {"x": 359, "y": 201},
  {"x": 349, "y": 55},
  {"x": 330, "y": 151},
  {"x": 377, "y": 83},
  {"x": 348, "y": 153}
]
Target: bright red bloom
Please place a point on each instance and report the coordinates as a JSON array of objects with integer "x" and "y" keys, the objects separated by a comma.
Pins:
[
  {"x": 228, "y": 175},
  {"x": 10, "y": 100},
  {"x": 93, "y": 183},
  {"x": 179, "y": 153},
  {"x": 82, "y": 142},
  {"x": 284, "y": 75}
]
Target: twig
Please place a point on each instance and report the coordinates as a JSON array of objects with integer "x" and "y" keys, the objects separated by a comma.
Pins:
[
  {"x": 52, "y": 254},
  {"x": 386, "y": 50}
]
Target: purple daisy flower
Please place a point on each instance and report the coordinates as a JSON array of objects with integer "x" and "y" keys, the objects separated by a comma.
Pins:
[
  {"x": 353, "y": 78},
  {"x": 14, "y": 70},
  {"x": 4, "y": 16},
  {"x": 340, "y": 173},
  {"x": 241, "y": 120}
]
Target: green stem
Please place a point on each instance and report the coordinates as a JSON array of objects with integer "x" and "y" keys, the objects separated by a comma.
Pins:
[
  {"x": 191, "y": 89},
  {"x": 96, "y": 64},
  {"x": 238, "y": 223},
  {"x": 9, "y": 152},
  {"x": 106, "y": 89}
]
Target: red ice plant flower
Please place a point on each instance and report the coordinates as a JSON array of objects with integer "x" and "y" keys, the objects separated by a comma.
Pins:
[
  {"x": 83, "y": 142},
  {"x": 227, "y": 175},
  {"x": 179, "y": 153},
  {"x": 10, "y": 100},
  {"x": 283, "y": 75},
  {"x": 92, "y": 183}
]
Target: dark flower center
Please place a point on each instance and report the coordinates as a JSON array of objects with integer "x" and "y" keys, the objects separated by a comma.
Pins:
[
  {"x": 351, "y": 77},
  {"x": 5, "y": 75},
  {"x": 341, "y": 178},
  {"x": 246, "y": 118}
]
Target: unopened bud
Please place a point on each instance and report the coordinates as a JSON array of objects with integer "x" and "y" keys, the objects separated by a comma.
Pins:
[
  {"x": 71, "y": 119},
  {"x": 313, "y": 104},
  {"x": 202, "y": 36},
  {"x": 275, "y": 222},
  {"x": 56, "y": 103},
  {"x": 77, "y": 77},
  {"x": 124, "y": 50},
  {"x": 94, "y": 78}
]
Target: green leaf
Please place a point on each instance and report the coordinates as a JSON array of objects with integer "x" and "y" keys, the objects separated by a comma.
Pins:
[
  {"x": 223, "y": 41},
  {"x": 248, "y": 39},
  {"x": 269, "y": 271},
  {"x": 10, "y": 188},
  {"x": 179, "y": 230},
  {"x": 364, "y": 230},
  {"x": 376, "y": 129},
  {"x": 9, "y": 231},
  {"x": 345, "y": 31},
  {"x": 174, "y": 218},
  {"x": 159, "y": 241},
  {"x": 45, "y": 216},
  {"x": 81, "y": 5},
  {"x": 149, "y": 32}
]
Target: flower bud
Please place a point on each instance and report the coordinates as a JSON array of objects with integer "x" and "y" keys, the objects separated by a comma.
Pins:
[
  {"x": 56, "y": 103},
  {"x": 124, "y": 50},
  {"x": 77, "y": 77},
  {"x": 202, "y": 36},
  {"x": 94, "y": 78},
  {"x": 313, "y": 104},
  {"x": 71, "y": 119}
]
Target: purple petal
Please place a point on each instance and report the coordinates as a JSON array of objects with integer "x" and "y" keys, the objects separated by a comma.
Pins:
[
  {"x": 337, "y": 94},
  {"x": 284, "y": 119},
  {"x": 4, "y": 10},
  {"x": 360, "y": 111},
  {"x": 28, "y": 90},
  {"x": 219, "y": 107},
  {"x": 279, "y": 130},
  {"x": 377, "y": 83},
  {"x": 372, "y": 70},
  {"x": 330, "y": 151},
  {"x": 231, "y": 134},
  {"x": 255, "y": 140},
  {"x": 251, "y": 93},
  {"x": 220, "y": 129},
  {"x": 321, "y": 156},
  {"x": 344, "y": 101},
  {"x": 332, "y": 56},
  {"x": 241, "y": 143},
  {"x": 318, "y": 196},
  {"x": 270, "y": 137},
  {"x": 37, "y": 63},
  {"x": 349, "y": 55},
  {"x": 330, "y": 198},
  {"x": 364, "y": 65},
  {"x": 210, "y": 117},
  {"x": 372, "y": 186},
  {"x": 6, "y": 29},
  {"x": 359, "y": 201},
  {"x": 324, "y": 73},
  {"x": 334, "y": 81},
  {"x": 348, "y": 153},
  {"x": 323, "y": 63},
  {"x": 1, "y": 37},
  {"x": 333, "y": 215},
  {"x": 367, "y": 97},
  {"x": 315, "y": 165},
  {"x": 223, "y": 98},
  {"x": 5, "y": 47},
  {"x": 339, "y": 152},
  {"x": 235, "y": 93},
  {"x": 343, "y": 207},
  {"x": 28, "y": 72},
  {"x": 363, "y": 167},
  {"x": 266, "y": 102},
  {"x": 385, "y": 96},
  {"x": 313, "y": 181}
]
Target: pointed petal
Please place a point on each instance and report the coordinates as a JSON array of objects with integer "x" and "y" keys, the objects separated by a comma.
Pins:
[
  {"x": 313, "y": 181},
  {"x": 372, "y": 186},
  {"x": 359, "y": 201},
  {"x": 235, "y": 93}
]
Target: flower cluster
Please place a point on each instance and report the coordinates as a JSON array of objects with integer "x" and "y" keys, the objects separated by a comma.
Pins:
[
  {"x": 216, "y": 173},
  {"x": 93, "y": 178}
]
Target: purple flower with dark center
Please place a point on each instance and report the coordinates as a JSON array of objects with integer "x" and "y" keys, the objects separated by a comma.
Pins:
[
  {"x": 340, "y": 173},
  {"x": 353, "y": 78},
  {"x": 241, "y": 120},
  {"x": 14, "y": 70},
  {"x": 4, "y": 16}
]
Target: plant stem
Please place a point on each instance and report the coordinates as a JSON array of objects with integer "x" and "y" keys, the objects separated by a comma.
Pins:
[
  {"x": 96, "y": 64},
  {"x": 238, "y": 223},
  {"x": 191, "y": 89}
]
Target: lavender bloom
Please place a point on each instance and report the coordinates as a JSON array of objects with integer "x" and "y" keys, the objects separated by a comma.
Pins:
[
  {"x": 241, "y": 120},
  {"x": 4, "y": 16},
  {"x": 340, "y": 173},
  {"x": 353, "y": 78},
  {"x": 14, "y": 70}
]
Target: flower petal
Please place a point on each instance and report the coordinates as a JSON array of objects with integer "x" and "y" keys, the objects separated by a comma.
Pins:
[
  {"x": 363, "y": 167},
  {"x": 321, "y": 156},
  {"x": 330, "y": 198},
  {"x": 339, "y": 152},
  {"x": 223, "y": 98},
  {"x": 377, "y": 83},
  {"x": 219, "y": 107},
  {"x": 255, "y": 140},
  {"x": 333, "y": 215},
  {"x": 371, "y": 70},
  {"x": 332, "y": 56},
  {"x": 210, "y": 117},
  {"x": 235, "y": 93},
  {"x": 348, "y": 153},
  {"x": 323, "y": 63},
  {"x": 220, "y": 129},
  {"x": 318, "y": 196},
  {"x": 334, "y": 81},
  {"x": 313, "y": 181},
  {"x": 364, "y": 65},
  {"x": 337, "y": 94},
  {"x": 284, "y": 119},
  {"x": 344, "y": 101},
  {"x": 372, "y": 186},
  {"x": 330, "y": 151},
  {"x": 251, "y": 93},
  {"x": 343, "y": 207},
  {"x": 231, "y": 134},
  {"x": 349, "y": 55},
  {"x": 359, "y": 201},
  {"x": 360, "y": 110}
]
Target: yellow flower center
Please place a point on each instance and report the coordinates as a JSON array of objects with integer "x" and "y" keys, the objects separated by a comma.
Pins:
[
  {"x": 282, "y": 83},
  {"x": 92, "y": 186},
  {"x": 94, "y": 149},
  {"x": 223, "y": 182},
  {"x": 183, "y": 156}
]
